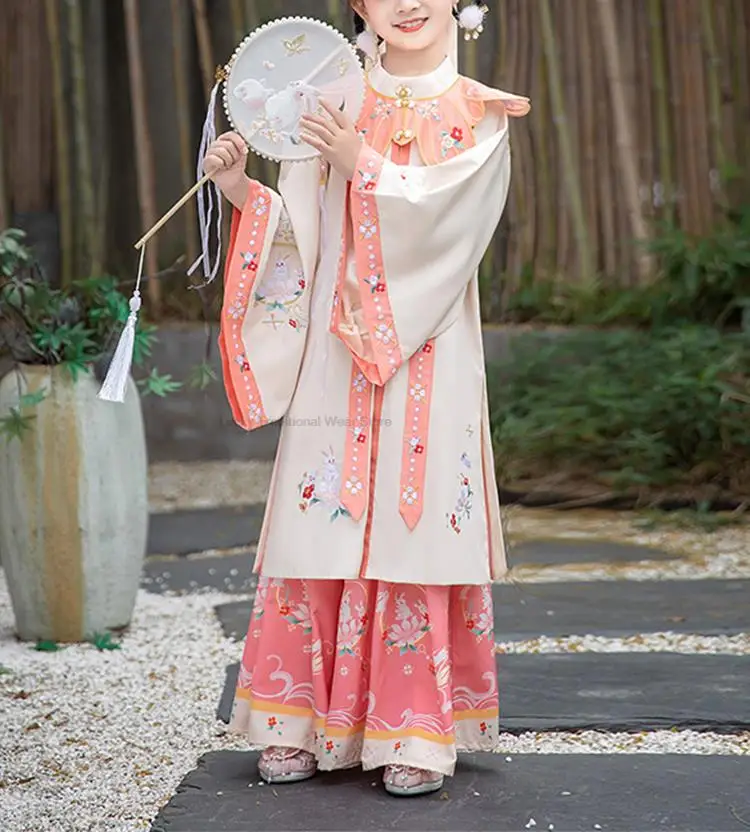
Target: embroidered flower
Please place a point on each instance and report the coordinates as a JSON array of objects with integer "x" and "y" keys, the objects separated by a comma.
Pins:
[
  {"x": 359, "y": 383},
  {"x": 243, "y": 362},
  {"x": 329, "y": 746},
  {"x": 323, "y": 486},
  {"x": 483, "y": 727},
  {"x": 301, "y": 283},
  {"x": 457, "y": 134},
  {"x": 260, "y": 205},
  {"x": 292, "y": 323},
  {"x": 372, "y": 280},
  {"x": 272, "y": 721},
  {"x": 396, "y": 746},
  {"x": 408, "y": 670},
  {"x": 418, "y": 392},
  {"x": 254, "y": 413},
  {"x": 249, "y": 259},
  {"x": 354, "y": 486},
  {"x": 452, "y": 140},
  {"x": 427, "y": 348},
  {"x": 464, "y": 501},
  {"x": 237, "y": 309},
  {"x": 368, "y": 228},
  {"x": 410, "y": 495},
  {"x": 384, "y": 333}
]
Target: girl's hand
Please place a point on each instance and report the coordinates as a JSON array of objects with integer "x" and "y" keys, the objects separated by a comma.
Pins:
[
  {"x": 335, "y": 138},
  {"x": 225, "y": 163}
]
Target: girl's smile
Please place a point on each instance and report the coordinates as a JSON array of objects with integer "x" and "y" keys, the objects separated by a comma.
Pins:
[{"x": 410, "y": 26}]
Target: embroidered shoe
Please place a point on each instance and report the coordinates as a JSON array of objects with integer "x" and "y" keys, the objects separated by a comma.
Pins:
[
  {"x": 405, "y": 781},
  {"x": 286, "y": 765}
]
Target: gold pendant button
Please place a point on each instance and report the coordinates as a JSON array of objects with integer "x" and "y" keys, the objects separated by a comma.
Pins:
[{"x": 403, "y": 137}]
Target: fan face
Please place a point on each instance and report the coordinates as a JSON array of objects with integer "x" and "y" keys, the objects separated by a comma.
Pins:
[{"x": 282, "y": 70}]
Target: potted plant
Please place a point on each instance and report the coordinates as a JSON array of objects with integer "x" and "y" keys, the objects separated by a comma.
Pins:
[{"x": 73, "y": 468}]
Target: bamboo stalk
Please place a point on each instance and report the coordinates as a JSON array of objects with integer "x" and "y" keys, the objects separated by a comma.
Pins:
[
  {"x": 182, "y": 104},
  {"x": 661, "y": 104},
  {"x": 4, "y": 195},
  {"x": 626, "y": 151},
  {"x": 142, "y": 140},
  {"x": 84, "y": 157},
  {"x": 335, "y": 16},
  {"x": 237, "y": 13},
  {"x": 571, "y": 176},
  {"x": 62, "y": 145},
  {"x": 713, "y": 64},
  {"x": 205, "y": 50}
]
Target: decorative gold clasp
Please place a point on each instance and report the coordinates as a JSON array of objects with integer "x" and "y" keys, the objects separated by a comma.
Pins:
[
  {"x": 404, "y": 99},
  {"x": 403, "y": 137},
  {"x": 221, "y": 74}
]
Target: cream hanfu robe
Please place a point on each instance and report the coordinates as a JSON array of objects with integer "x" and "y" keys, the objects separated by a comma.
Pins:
[{"x": 351, "y": 313}]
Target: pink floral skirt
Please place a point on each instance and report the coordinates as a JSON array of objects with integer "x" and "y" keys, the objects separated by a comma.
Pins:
[{"x": 369, "y": 673}]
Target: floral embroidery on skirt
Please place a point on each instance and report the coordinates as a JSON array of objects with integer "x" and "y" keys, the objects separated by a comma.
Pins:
[{"x": 371, "y": 673}]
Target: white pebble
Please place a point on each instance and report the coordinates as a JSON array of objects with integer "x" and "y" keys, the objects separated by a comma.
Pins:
[
  {"x": 139, "y": 717},
  {"x": 531, "y": 823}
]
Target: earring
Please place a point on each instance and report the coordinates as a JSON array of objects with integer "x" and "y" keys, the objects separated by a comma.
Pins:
[
  {"x": 367, "y": 43},
  {"x": 471, "y": 20}
]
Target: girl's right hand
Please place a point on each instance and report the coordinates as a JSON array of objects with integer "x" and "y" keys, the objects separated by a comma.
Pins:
[
  {"x": 225, "y": 163},
  {"x": 226, "y": 159}
]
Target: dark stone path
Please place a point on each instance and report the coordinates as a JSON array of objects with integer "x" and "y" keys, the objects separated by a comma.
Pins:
[
  {"x": 546, "y": 693},
  {"x": 614, "y": 793},
  {"x": 610, "y": 692}
]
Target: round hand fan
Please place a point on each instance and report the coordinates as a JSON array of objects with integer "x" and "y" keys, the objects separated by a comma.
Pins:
[{"x": 282, "y": 70}]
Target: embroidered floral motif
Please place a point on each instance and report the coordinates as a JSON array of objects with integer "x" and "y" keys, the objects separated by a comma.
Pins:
[
  {"x": 260, "y": 205},
  {"x": 274, "y": 724},
  {"x": 382, "y": 109},
  {"x": 323, "y": 487},
  {"x": 479, "y": 622},
  {"x": 409, "y": 628},
  {"x": 249, "y": 261},
  {"x": 464, "y": 501},
  {"x": 280, "y": 291},
  {"x": 237, "y": 308},
  {"x": 451, "y": 140},
  {"x": 410, "y": 495},
  {"x": 242, "y": 361},
  {"x": 430, "y": 109},
  {"x": 368, "y": 228},
  {"x": 352, "y": 626},
  {"x": 418, "y": 392},
  {"x": 297, "y": 615}
]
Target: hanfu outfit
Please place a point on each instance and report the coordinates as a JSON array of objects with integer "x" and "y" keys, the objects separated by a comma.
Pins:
[{"x": 351, "y": 312}]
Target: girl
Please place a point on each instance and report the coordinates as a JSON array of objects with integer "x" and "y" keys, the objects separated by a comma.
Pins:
[{"x": 351, "y": 311}]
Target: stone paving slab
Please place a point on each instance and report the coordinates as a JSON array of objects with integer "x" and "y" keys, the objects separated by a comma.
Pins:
[
  {"x": 607, "y": 608},
  {"x": 610, "y": 692},
  {"x": 198, "y": 530},
  {"x": 614, "y": 793},
  {"x": 229, "y": 573},
  {"x": 558, "y": 552}
]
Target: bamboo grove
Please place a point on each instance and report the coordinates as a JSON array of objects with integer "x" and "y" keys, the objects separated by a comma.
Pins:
[{"x": 641, "y": 115}]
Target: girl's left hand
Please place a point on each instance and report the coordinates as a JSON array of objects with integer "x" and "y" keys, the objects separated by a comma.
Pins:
[{"x": 335, "y": 138}]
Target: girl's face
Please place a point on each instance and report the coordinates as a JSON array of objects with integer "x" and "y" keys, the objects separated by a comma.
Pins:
[{"x": 408, "y": 25}]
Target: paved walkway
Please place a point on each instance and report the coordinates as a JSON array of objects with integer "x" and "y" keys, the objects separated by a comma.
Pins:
[{"x": 612, "y": 655}]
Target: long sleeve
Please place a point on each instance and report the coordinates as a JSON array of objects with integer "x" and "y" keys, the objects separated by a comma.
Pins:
[
  {"x": 265, "y": 311},
  {"x": 418, "y": 235}
]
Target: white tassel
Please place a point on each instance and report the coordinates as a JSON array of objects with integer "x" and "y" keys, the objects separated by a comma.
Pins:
[
  {"x": 116, "y": 382},
  {"x": 205, "y": 212}
]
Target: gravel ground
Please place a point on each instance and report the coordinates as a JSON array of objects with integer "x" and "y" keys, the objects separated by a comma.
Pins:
[
  {"x": 738, "y": 645},
  {"x": 100, "y": 740}
]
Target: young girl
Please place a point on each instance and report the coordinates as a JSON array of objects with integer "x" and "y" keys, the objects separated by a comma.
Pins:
[{"x": 351, "y": 311}]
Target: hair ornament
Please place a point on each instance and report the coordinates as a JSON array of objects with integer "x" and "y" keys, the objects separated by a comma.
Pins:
[{"x": 471, "y": 19}]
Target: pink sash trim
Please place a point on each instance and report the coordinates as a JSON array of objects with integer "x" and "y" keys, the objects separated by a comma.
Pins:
[
  {"x": 355, "y": 474},
  {"x": 249, "y": 229},
  {"x": 380, "y": 338},
  {"x": 414, "y": 459}
]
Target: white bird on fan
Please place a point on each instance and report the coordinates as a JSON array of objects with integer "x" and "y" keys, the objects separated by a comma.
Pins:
[{"x": 282, "y": 109}]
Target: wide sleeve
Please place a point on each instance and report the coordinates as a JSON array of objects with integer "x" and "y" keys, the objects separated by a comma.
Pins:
[
  {"x": 265, "y": 311},
  {"x": 418, "y": 235}
]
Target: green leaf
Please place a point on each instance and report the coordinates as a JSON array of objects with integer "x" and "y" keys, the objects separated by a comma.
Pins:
[
  {"x": 103, "y": 641},
  {"x": 33, "y": 399},
  {"x": 202, "y": 376},
  {"x": 16, "y": 424},
  {"x": 47, "y": 646},
  {"x": 158, "y": 385}
]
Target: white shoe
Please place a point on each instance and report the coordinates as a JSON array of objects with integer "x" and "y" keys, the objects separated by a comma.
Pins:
[
  {"x": 286, "y": 765},
  {"x": 405, "y": 781}
]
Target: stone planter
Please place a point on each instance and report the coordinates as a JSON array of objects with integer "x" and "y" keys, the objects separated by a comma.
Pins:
[{"x": 73, "y": 507}]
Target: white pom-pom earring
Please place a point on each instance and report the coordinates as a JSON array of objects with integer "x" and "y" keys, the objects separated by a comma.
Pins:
[{"x": 471, "y": 20}]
